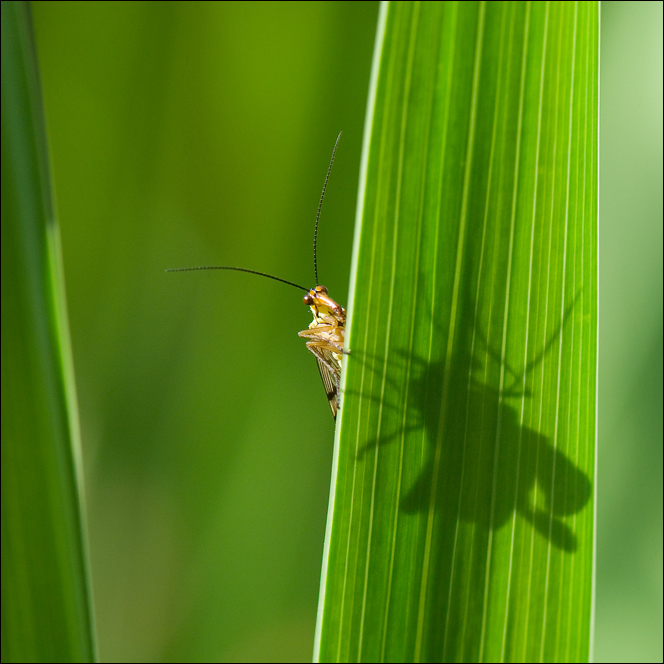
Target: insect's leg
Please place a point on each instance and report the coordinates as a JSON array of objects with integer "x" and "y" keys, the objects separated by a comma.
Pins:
[
  {"x": 316, "y": 333},
  {"x": 339, "y": 349},
  {"x": 333, "y": 329}
]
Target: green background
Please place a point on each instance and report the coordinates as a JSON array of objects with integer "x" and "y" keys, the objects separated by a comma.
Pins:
[{"x": 199, "y": 134}]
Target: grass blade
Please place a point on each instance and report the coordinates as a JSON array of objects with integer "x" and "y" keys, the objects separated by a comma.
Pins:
[
  {"x": 461, "y": 520},
  {"x": 45, "y": 598}
]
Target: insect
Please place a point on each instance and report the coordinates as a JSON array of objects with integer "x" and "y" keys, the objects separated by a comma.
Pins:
[{"x": 325, "y": 334}]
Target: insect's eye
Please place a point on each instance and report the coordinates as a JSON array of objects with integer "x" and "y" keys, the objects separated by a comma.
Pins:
[
  {"x": 308, "y": 300},
  {"x": 322, "y": 289}
]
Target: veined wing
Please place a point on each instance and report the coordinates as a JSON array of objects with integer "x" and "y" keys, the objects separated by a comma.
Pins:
[{"x": 326, "y": 360}]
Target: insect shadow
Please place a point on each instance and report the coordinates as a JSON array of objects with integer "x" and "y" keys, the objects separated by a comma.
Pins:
[{"x": 481, "y": 450}]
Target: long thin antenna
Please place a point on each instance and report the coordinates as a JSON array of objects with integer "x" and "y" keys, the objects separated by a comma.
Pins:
[
  {"x": 239, "y": 269},
  {"x": 320, "y": 205}
]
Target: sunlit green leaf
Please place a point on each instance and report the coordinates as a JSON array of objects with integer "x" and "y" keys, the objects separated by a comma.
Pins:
[{"x": 461, "y": 526}]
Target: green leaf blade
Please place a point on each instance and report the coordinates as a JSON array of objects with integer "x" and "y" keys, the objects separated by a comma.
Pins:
[
  {"x": 46, "y": 604},
  {"x": 462, "y": 526}
]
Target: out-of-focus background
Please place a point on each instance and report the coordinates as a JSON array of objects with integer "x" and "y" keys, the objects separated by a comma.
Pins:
[
  {"x": 194, "y": 133},
  {"x": 629, "y": 479}
]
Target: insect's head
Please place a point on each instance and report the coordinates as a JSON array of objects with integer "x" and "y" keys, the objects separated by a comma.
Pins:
[{"x": 321, "y": 303}]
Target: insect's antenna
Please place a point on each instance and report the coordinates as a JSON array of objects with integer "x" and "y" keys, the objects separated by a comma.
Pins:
[
  {"x": 238, "y": 269},
  {"x": 320, "y": 205}
]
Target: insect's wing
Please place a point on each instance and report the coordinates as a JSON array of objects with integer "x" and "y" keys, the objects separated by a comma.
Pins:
[{"x": 330, "y": 385}]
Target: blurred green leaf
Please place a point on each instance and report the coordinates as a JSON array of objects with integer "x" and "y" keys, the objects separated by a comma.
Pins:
[
  {"x": 461, "y": 520},
  {"x": 45, "y": 597}
]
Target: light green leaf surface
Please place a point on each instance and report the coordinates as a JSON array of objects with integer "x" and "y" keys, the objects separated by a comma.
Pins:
[
  {"x": 461, "y": 519},
  {"x": 45, "y": 596}
]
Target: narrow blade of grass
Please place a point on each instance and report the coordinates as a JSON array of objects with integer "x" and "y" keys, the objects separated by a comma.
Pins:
[
  {"x": 461, "y": 520},
  {"x": 45, "y": 597}
]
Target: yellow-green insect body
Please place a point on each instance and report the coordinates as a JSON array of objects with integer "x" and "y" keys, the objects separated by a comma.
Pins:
[{"x": 326, "y": 340}]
